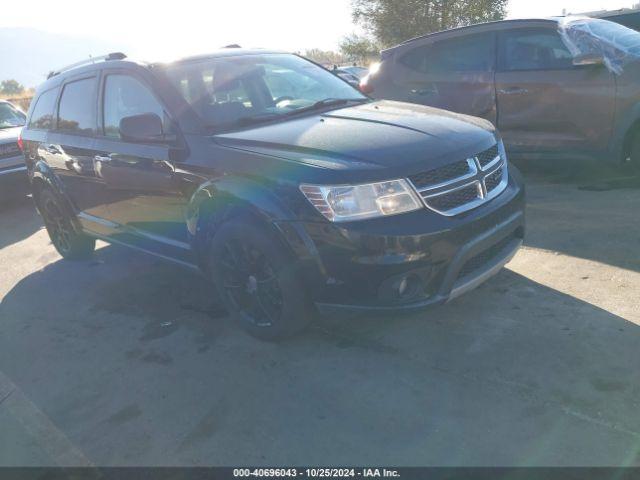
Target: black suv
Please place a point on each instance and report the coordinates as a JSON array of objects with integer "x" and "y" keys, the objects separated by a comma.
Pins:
[{"x": 287, "y": 187}]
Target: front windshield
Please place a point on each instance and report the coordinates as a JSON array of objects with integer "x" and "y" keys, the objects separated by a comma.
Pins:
[
  {"x": 228, "y": 91},
  {"x": 10, "y": 116}
]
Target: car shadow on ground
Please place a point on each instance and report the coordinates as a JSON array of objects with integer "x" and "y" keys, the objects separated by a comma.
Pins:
[
  {"x": 18, "y": 220},
  {"x": 584, "y": 210},
  {"x": 134, "y": 362}
]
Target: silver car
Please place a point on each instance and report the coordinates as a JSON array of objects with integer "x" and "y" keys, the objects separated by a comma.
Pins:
[{"x": 12, "y": 166}]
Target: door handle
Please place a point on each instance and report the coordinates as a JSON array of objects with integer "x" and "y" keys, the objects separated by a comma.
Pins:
[
  {"x": 513, "y": 91},
  {"x": 102, "y": 158}
]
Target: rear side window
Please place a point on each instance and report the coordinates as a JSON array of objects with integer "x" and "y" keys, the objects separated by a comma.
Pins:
[
  {"x": 42, "y": 116},
  {"x": 472, "y": 53},
  {"x": 124, "y": 96},
  {"x": 76, "y": 113},
  {"x": 537, "y": 49}
]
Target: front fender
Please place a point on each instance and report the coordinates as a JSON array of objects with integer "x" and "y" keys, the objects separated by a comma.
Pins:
[
  {"x": 220, "y": 199},
  {"x": 626, "y": 120}
]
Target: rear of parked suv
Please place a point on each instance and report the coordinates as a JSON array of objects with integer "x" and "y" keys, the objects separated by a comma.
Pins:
[
  {"x": 557, "y": 87},
  {"x": 286, "y": 187}
]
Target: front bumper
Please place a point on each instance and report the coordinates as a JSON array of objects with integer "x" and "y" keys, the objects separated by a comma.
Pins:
[{"x": 361, "y": 266}]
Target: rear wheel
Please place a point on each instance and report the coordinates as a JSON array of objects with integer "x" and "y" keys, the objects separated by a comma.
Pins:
[
  {"x": 70, "y": 244},
  {"x": 257, "y": 281}
]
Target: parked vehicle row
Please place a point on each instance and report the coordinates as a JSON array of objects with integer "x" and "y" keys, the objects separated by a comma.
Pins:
[
  {"x": 288, "y": 188},
  {"x": 555, "y": 87}
]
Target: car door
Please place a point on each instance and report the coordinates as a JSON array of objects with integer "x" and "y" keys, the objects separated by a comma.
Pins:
[
  {"x": 455, "y": 74},
  {"x": 147, "y": 189},
  {"x": 69, "y": 150},
  {"x": 545, "y": 103}
]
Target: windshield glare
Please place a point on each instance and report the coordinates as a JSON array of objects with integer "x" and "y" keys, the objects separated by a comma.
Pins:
[
  {"x": 10, "y": 116},
  {"x": 231, "y": 90}
]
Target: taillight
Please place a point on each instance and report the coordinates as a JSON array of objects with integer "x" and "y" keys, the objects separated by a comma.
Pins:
[
  {"x": 365, "y": 85},
  {"x": 20, "y": 142}
]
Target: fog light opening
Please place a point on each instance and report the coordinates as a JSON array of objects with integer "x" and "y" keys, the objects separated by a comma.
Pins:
[{"x": 408, "y": 286}]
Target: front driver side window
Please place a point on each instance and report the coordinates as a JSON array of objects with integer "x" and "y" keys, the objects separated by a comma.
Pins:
[
  {"x": 535, "y": 50},
  {"x": 124, "y": 96}
]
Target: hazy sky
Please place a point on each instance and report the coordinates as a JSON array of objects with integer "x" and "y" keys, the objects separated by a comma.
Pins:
[{"x": 162, "y": 30}]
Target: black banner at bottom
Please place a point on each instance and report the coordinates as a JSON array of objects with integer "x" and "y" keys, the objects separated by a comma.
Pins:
[{"x": 223, "y": 473}]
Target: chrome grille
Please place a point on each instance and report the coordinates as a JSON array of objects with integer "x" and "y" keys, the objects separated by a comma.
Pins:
[
  {"x": 463, "y": 185},
  {"x": 488, "y": 156},
  {"x": 442, "y": 174},
  {"x": 493, "y": 179},
  {"x": 455, "y": 198},
  {"x": 9, "y": 150}
]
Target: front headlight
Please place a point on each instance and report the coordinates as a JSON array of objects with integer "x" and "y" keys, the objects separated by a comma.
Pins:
[{"x": 343, "y": 203}]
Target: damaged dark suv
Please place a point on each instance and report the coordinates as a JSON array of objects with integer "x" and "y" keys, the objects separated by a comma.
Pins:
[{"x": 287, "y": 187}]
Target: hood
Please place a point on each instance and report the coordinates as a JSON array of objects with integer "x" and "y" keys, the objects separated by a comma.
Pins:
[
  {"x": 374, "y": 136},
  {"x": 9, "y": 135}
]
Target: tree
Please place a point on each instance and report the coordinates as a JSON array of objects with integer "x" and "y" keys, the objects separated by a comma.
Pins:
[
  {"x": 11, "y": 87},
  {"x": 394, "y": 21},
  {"x": 359, "y": 48},
  {"x": 325, "y": 57}
]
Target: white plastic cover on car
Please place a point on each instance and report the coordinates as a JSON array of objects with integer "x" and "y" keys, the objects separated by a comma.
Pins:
[{"x": 617, "y": 44}]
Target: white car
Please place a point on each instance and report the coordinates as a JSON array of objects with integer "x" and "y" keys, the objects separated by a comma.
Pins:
[{"x": 12, "y": 166}]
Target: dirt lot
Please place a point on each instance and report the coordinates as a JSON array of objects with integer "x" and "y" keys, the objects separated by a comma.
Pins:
[{"x": 124, "y": 360}]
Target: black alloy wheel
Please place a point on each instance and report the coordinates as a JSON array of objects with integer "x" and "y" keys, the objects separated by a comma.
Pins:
[
  {"x": 65, "y": 239},
  {"x": 250, "y": 282},
  {"x": 257, "y": 281}
]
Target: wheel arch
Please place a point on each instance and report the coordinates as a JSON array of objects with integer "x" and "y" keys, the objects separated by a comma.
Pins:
[
  {"x": 627, "y": 141},
  {"x": 220, "y": 200},
  {"x": 42, "y": 177},
  {"x": 627, "y": 126}
]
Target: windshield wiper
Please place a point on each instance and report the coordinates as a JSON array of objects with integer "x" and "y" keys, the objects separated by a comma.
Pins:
[
  {"x": 265, "y": 117},
  {"x": 268, "y": 116},
  {"x": 327, "y": 102}
]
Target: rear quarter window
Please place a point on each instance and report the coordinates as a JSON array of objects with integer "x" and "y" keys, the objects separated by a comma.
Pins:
[{"x": 42, "y": 115}]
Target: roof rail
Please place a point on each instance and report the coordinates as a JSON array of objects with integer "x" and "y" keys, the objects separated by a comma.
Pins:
[{"x": 90, "y": 60}]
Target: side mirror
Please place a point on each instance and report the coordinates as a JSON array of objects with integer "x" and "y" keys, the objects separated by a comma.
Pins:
[
  {"x": 588, "y": 59},
  {"x": 144, "y": 128}
]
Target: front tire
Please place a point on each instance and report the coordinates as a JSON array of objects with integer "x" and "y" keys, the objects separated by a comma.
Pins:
[
  {"x": 70, "y": 244},
  {"x": 257, "y": 281}
]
